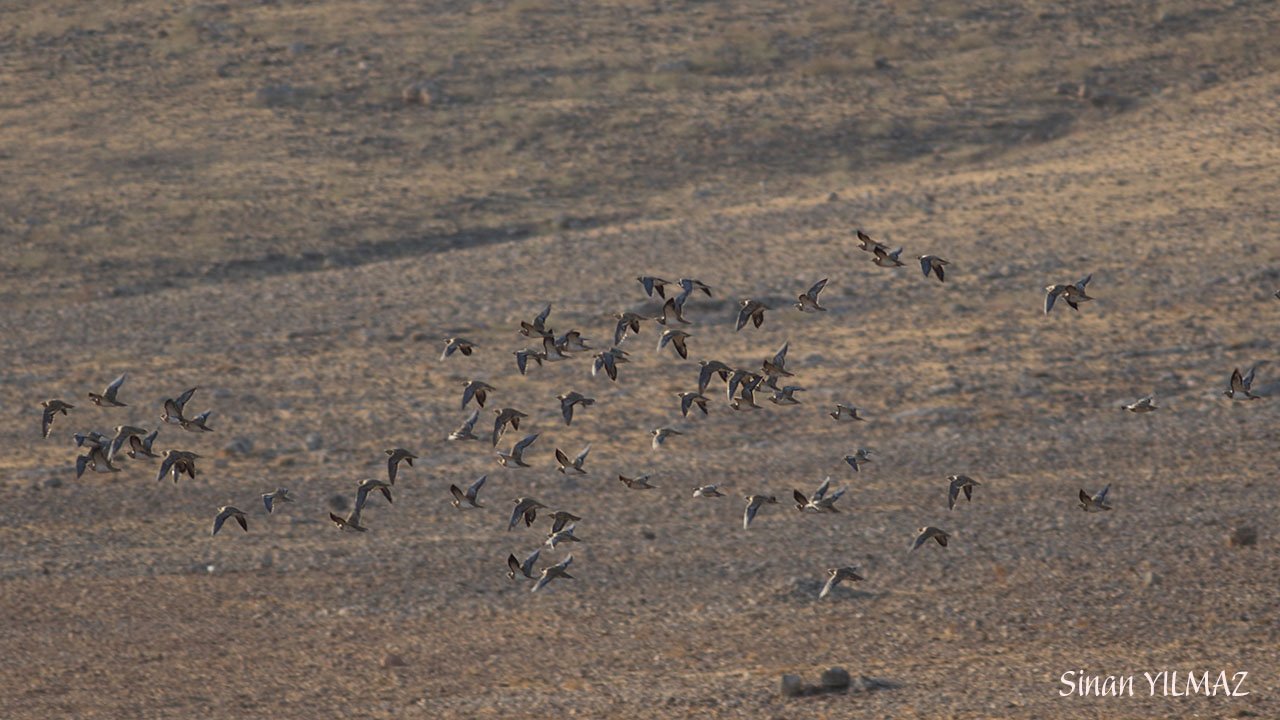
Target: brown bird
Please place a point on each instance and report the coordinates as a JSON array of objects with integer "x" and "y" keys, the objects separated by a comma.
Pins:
[
  {"x": 576, "y": 463},
  {"x": 367, "y": 486},
  {"x": 464, "y": 431},
  {"x": 97, "y": 459},
  {"x": 51, "y": 408},
  {"x": 454, "y": 344},
  {"x": 844, "y": 413},
  {"x": 837, "y": 576},
  {"x": 934, "y": 264},
  {"x": 639, "y": 483},
  {"x": 506, "y": 416},
  {"x": 477, "y": 389},
  {"x": 538, "y": 326},
  {"x": 958, "y": 483},
  {"x": 515, "y": 458},
  {"x": 174, "y": 407},
  {"x": 689, "y": 399},
  {"x": 524, "y": 356},
  {"x": 394, "y": 458},
  {"x": 197, "y": 424},
  {"x": 808, "y": 301},
  {"x": 886, "y": 259},
  {"x": 750, "y": 310},
  {"x": 930, "y": 532},
  {"x": 143, "y": 447},
  {"x": 568, "y": 400},
  {"x": 1095, "y": 503},
  {"x": 671, "y": 311},
  {"x": 709, "y": 368},
  {"x": 176, "y": 463},
  {"x": 560, "y": 518},
  {"x": 227, "y": 511},
  {"x": 553, "y": 572},
  {"x": 467, "y": 498},
  {"x": 1073, "y": 295},
  {"x": 654, "y": 284},
  {"x": 678, "y": 340},
  {"x": 526, "y": 508},
  {"x": 350, "y": 522},
  {"x": 753, "y": 506},
  {"x": 108, "y": 396},
  {"x": 866, "y": 243},
  {"x": 627, "y": 321}
]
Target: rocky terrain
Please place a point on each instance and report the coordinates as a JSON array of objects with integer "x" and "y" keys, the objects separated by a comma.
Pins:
[{"x": 292, "y": 205}]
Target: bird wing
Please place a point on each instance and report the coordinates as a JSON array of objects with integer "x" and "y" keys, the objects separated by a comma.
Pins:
[
  {"x": 817, "y": 288},
  {"x": 750, "y": 513},
  {"x": 582, "y": 456},
  {"x": 1050, "y": 296},
  {"x": 519, "y": 448},
  {"x": 113, "y": 388},
  {"x": 457, "y": 494},
  {"x": 1084, "y": 281},
  {"x": 831, "y": 583},
  {"x": 1102, "y": 496},
  {"x": 181, "y": 401},
  {"x": 217, "y": 522},
  {"x": 926, "y": 264},
  {"x": 953, "y": 492},
  {"x": 822, "y": 490}
]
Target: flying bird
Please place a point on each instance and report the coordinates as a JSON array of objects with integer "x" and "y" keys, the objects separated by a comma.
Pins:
[
  {"x": 524, "y": 356},
  {"x": 97, "y": 459},
  {"x": 867, "y": 244},
  {"x": 108, "y": 396},
  {"x": 350, "y": 522},
  {"x": 934, "y": 264},
  {"x": 199, "y": 423},
  {"x": 886, "y": 259},
  {"x": 568, "y": 400},
  {"x": 560, "y": 518},
  {"x": 561, "y": 536},
  {"x": 143, "y": 447},
  {"x": 1145, "y": 405},
  {"x": 1095, "y": 503},
  {"x": 477, "y": 389},
  {"x": 689, "y": 399},
  {"x": 786, "y": 395},
  {"x": 1242, "y": 385},
  {"x": 468, "y": 498},
  {"x": 808, "y": 301},
  {"x": 538, "y": 326},
  {"x": 627, "y": 321},
  {"x": 576, "y": 463},
  {"x": 367, "y": 486},
  {"x": 671, "y": 311},
  {"x": 524, "y": 569},
  {"x": 639, "y": 483},
  {"x": 844, "y": 413},
  {"x": 608, "y": 361},
  {"x": 661, "y": 434},
  {"x": 526, "y": 508},
  {"x": 709, "y": 368},
  {"x": 176, "y": 463},
  {"x": 708, "y": 491},
  {"x": 678, "y": 340},
  {"x": 750, "y": 311},
  {"x": 228, "y": 511},
  {"x": 455, "y": 344},
  {"x": 395, "y": 456},
  {"x": 464, "y": 431},
  {"x": 927, "y": 532},
  {"x": 958, "y": 483},
  {"x": 753, "y": 506},
  {"x": 819, "y": 501},
  {"x": 553, "y": 572},
  {"x": 654, "y": 284},
  {"x": 1072, "y": 295},
  {"x": 51, "y": 408},
  {"x": 506, "y": 416},
  {"x": 837, "y": 576},
  {"x": 278, "y": 496},
  {"x": 859, "y": 457},
  {"x": 515, "y": 458},
  {"x": 125, "y": 433}
]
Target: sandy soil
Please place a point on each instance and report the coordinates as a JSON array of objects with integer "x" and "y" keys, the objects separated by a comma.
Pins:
[{"x": 244, "y": 244}]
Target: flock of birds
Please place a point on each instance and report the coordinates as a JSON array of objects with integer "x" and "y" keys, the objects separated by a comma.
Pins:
[{"x": 102, "y": 452}]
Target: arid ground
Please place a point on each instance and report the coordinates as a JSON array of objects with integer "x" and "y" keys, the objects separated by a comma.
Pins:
[{"x": 291, "y": 205}]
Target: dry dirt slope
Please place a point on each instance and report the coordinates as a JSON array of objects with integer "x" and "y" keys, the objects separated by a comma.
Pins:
[{"x": 111, "y": 609}]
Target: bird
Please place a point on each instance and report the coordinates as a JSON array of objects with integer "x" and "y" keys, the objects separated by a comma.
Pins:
[
  {"x": 819, "y": 501},
  {"x": 708, "y": 491},
  {"x": 837, "y": 576},
  {"x": 661, "y": 434},
  {"x": 51, "y": 408},
  {"x": 124, "y": 433},
  {"x": 568, "y": 400},
  {"x": 671, "y": 311},
  {"x": 886, "y": 259},
  {"x": 92, "y": 438},
  {"x": 927, "y": 532},
  {"x": 560, "y": 518},
  {"x": 551, "y": 352},
  {"x": 197, "y": 424},
  {"x": 1095, "y": 503},
  {"x": 689, "y": 285},
  {"x": 560, "y": 536},
  {"x": 638, "y": 483},
  {"x": 456, "y": 344},
  {"x": 467, "y": 498},
  {"x": 844, "y": 413},
  {"x": 572, "y": 341},
  {"x": 753, "y": 506},
  {"x": 524, "y": 356},
  {"x": 553, "y": 572},
  {"x": 1144, "y": 405},
  {"x": 515, "y": 458},
  {"x": 174, "y": 407},
  {"x": 689, "y": 399},
  {"x": 277, "y": 496},
  {"x": 808, "y": 301},
  {"x": 1242, "y": 384},
  {"x": 176, "y": 463},
  {"x": 709, "y": 368},
  {"x": 526, "y": 508},
  {"x": 350, "y": 522},
  {"x": 369, "y": 485},
  {"x": 608, "y": 361},
  {"x": 576, "y": 463},
  {"x": 539, "y": 324},
  {"x": 776, "y": 366},
  {"x": 750, "y": 311},
  {"x": 394, "y": 457},
  {"x": 143, "y": 447},
  {"x": 678, "y": 340},
  {"x": 464, "y": 430},
  {"x": 786, "y": 395},
  {"x": 866, "y": 243},
  {"x": 1073, "y": 295},
  {"x": 745, "y": 401},
  {"x": 861, "y": 456},
  {"x": 654, "y": 285},
  {"x": 108, "y": 396},
  {"x": 506, "y": 416},
  {"x": 627, "y": 321},
  {"x": 97, "y": 459},
  {"x": 524, "y": 569},
  {"x": 933, "y": 263},
  {"x": 958, "y": 483},
  {"x": 477, "y": 389},
  {"x": 228, "y": 511}
]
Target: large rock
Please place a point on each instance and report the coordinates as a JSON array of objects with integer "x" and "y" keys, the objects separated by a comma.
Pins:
[
  {"x": 834, "y": 678},
  {"x": 791, "y": 686}
]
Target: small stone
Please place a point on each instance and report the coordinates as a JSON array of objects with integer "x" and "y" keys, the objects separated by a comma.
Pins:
[
  {"x": 53, "y": 482},
  {"x": 834, "y": 678},
  {"x": 419, "y": 93},
  {"x": 392, "y": 660},
  {"x": 792, "y": 686},
  {"x": 833, "y": 197},
  {"x": 337, "y": 502},
  {"x": 1243, "y": 536},
  {"x": 1149, "y": 578},
  {"x": 1068, "y": 88},
  {"x": 1208, "y": 77},
  {"x": 882, "y": 63},
  {"x": 314, "y": 441}
]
